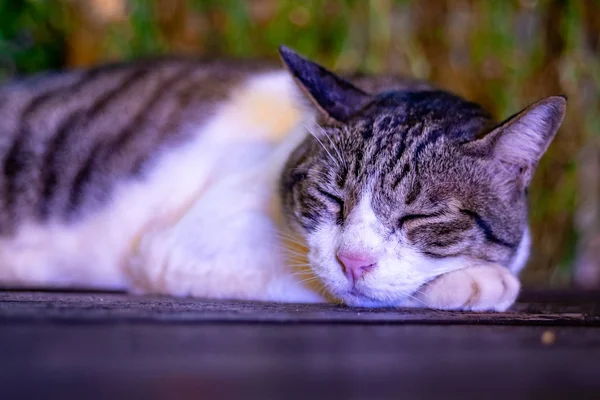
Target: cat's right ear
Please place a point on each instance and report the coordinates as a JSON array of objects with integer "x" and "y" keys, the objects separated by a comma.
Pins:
[
  {"x": 521, "y": 140},
  {"x": 335, "y": 96}
]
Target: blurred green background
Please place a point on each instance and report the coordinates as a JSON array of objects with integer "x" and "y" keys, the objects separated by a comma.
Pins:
[{"x": 501, "y": 53}]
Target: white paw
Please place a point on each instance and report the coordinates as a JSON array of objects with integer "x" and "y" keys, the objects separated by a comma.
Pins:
[
  {"x": 180, "y": 262},
  {"x": 152, "y": 268},
  {"x": 478, "y": 288}
]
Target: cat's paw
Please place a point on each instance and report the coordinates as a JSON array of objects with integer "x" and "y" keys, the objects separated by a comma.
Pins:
[
  {"x": 179, "y": 261},
  {"x": 477, "y": 288},
  {"x": 151, "y": 267}
]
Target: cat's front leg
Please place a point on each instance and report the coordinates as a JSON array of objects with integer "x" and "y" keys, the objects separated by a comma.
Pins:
[
  {"x": 488, "y": 287},
  {"x": 214, "y": 258}
]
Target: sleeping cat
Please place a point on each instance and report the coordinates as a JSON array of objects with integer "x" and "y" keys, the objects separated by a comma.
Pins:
[{"x": 244, "y": 181}]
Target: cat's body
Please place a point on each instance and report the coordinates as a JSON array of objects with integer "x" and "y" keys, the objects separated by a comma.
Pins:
[
  {"x": 167, "y": 177},
  {"x": 97, "y": 162}
]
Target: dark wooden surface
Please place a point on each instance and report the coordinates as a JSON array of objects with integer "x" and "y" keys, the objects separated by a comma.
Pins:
[{"x": 101, "y": 345}]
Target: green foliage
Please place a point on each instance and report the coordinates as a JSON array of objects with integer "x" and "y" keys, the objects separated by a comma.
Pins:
[{"x": 32, "y": 36}]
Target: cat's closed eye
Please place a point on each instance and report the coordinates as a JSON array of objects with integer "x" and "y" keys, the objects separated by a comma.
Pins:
[
  {"x": 402, "y": 221},
  {"x": 336, "y": 201}
]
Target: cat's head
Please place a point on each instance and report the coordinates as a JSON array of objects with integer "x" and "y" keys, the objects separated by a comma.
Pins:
[{"x": 396, "y": 188}]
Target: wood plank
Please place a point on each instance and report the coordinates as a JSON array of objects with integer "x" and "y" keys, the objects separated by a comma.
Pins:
[
  {"x": 582, "y": 310},
  {"x": 112, "y": 345},
  {"x": 264, "y": 361}
]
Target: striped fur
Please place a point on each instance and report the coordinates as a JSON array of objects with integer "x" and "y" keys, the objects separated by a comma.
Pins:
[{"x": 67, "y": 138}]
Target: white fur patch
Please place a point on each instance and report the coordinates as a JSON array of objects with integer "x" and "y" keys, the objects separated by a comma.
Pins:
[{"x": 522, "y": 255}]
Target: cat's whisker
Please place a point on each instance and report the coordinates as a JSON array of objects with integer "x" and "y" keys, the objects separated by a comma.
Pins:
[
  {"x": 285, "y": 245},
  {"x": 422, "y": 293},
  {"x": 437, "y": 272},
  {"x": 299, "y": 265},
  {"x": 294, "y": 256},
  {"x": 309, "y": 170},
  {"x": 290, "y": 238},
  {"x": 281, "y": 232},
  {"x": 323, "y": 146},
  {"x": 312, "y": 170},
  {"x": 322, "y": 292},
  {"x": 291, "y": 249},
  {"x": 292, "y": 241},
  {"x": 290, "y": 245},
  {"x": 287, "y": 250},
  {"x": 303, "y": 273},
  {"x": 332, "y": 145},
  {"x": 417, "y": 299},
  {"x": 311, "y": 279},
  {"x": 299, "y": 262},
  {"x": 291, "y": 253},
  {"x": 420, "y": 301},
  {"x": 292, "y": 260}
]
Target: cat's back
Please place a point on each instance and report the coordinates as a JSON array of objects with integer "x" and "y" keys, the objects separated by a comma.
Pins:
[{"x": 67, "y": 137}]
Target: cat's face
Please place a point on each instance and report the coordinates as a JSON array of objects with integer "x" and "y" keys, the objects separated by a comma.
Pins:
[{"x": 400, "y": 187}]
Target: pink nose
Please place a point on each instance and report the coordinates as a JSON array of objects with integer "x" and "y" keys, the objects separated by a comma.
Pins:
[{"x": 356, "y": 264}]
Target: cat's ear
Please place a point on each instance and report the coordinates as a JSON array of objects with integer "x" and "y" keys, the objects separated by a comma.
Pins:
[
  {"x": 521, "y": 140},
  {"x": 335, "y": 96}
]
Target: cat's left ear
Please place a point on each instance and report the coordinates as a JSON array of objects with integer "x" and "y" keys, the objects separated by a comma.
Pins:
[
  {"x": 521, "y": 140},
  {"x": 335, "y": 96}
]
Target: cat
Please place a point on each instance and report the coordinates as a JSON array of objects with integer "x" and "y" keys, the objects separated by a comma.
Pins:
[{"x": 240, "y": 180}]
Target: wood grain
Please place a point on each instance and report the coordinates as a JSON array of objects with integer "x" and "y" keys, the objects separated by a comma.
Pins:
[
  {"x": 111, "y": 345},
  {"x": 111, "y": 307}
]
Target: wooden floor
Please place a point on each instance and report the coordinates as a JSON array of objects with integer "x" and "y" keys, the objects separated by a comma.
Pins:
[{"x": 93, "y": 345}]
